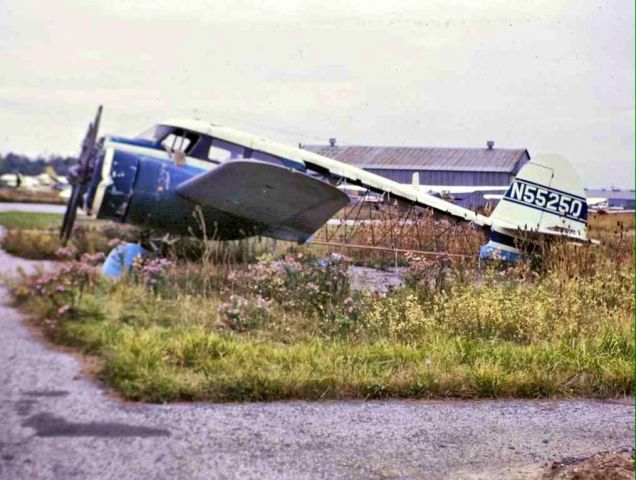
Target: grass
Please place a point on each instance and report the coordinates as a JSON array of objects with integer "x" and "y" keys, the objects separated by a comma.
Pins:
[
  {"x": 158, "y": 364},
  {"x": 32, "y": 235},
  {"x": 294, "y": 329},
  {"x": 612, "y": 223},
  {"x": 215, "y": 323},
  {"x": 35, "y": 235},
  {"x": 28, "y": 220}
]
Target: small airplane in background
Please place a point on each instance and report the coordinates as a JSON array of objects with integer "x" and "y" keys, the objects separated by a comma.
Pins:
[
  {"x": 192, "y": 177},
  {"x": 448, "y": 191},
  {"x": 602, "y": 205},
  {"x": 594, "y": 204},
  {"x": 18, "y": 180},
  {"x": 48, "y": 180}
]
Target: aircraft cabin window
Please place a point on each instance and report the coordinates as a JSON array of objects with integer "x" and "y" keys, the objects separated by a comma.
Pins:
[
  {"x": 176, "y": 143},
  {"x": 221, "y": 151},
  {"x": 155, "y": 133},
  {"x": 180, "y": 140}
]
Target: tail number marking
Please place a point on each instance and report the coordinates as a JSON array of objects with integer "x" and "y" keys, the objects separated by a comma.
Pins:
[{"x": 547, "y": 200}]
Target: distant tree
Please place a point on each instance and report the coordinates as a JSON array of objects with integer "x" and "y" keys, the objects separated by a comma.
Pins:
[{"x": 17, "y": 163}]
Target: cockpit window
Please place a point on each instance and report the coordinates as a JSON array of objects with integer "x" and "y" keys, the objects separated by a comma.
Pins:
[
  {"x": 176, "y": 143},
  {"x": 193, "y": 144},
  {"x": 155, "y": 134}
]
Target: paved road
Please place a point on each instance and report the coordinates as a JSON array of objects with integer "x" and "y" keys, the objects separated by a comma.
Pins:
[
  {"x": 57, "y": 424},
  {"x": 32, "y": 207}
]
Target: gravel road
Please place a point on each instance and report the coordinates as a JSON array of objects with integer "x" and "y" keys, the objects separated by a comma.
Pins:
[{"x": 58, "y": 424}]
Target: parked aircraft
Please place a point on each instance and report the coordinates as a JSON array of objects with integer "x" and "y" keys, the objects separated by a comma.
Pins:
[
  {"x": 9, "y": 180},
  {"x": 48, "y": 180},
  {"x": 447, "y": 191},
  {"x": 594, "y": 204},
  {"x": 17, "y": 180},
  {"x": 190, "y": 177}
]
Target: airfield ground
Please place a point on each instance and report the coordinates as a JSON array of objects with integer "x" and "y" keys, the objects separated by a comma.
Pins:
[
  {"x": 60, "y": 423},
  {"x": 57, "y": 423},
  {"x": 47, "y": 196},
  {"x": 288, "y": 328}
]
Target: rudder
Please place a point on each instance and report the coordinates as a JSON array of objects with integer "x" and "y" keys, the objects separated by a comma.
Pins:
[{"x": 545, "y": 197}]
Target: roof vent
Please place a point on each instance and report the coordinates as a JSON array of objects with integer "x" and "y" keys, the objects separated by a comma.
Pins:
[
  {"x": 332, "y": 142},
  {"x": 490, "y": 144}
]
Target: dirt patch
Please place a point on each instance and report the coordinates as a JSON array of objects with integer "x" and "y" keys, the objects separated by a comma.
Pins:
[
  {"x": 604, "y": 466},
  {"x": 375, "y": 280},
  {"x": 14, "y": 195}
]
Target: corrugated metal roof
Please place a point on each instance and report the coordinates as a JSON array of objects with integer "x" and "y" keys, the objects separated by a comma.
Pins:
[{"x": 426, "y": 158}]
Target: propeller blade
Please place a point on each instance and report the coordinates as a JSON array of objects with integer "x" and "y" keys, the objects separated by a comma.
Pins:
[
  {"x": 70, "y": 214},
  {"x": 79, "y": 175},
  {"x": 88, "y": 148}
]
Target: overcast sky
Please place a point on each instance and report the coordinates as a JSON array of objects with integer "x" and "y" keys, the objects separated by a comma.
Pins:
[{"x": 550, "y": 76}]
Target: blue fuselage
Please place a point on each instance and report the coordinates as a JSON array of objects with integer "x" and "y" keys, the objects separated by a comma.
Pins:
[{"x": 135, "y": 181}]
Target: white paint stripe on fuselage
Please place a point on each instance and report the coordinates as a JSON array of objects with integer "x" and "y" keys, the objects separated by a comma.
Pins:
[{"x": 104, "y": 183}]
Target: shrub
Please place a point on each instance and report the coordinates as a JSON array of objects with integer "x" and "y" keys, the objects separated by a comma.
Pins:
[
  {"x": 45, "y": 244},
  {"x": 299, "y": 282},
  {"x": 151, "y": 271},
  {"x": 31, "y": 244},
  {"x": 241, "y": 314},
  {"x": 64, "y": 287}
]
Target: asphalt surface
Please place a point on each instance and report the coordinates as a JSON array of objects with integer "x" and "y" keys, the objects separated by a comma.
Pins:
[
  {"x": 32, "y": 207},
  {"x": 58, "y": 424}
]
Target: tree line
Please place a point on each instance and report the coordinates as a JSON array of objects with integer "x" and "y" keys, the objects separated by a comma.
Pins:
[{"x": 18, "y": 163}]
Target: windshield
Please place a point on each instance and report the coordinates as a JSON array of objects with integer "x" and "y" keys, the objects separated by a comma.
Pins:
[{"x": 155, "y": 134}]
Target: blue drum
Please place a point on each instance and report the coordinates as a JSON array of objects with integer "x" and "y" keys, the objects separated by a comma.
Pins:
[{"x": 121, "y": 258}]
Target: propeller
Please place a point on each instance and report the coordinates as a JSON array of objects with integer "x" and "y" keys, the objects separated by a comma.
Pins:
[{"x": 79, "y": 175}]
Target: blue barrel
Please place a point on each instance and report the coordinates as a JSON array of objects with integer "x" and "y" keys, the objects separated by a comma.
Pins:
[
  {"x": 121, "y": 258},
  {"x": 493, "y": 251}
]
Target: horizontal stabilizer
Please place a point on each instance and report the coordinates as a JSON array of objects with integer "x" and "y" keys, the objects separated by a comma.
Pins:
[{"x": 289, "y": 204}]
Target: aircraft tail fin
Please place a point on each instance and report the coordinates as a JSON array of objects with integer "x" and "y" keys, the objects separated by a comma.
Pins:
[{"x": 546, "y": 198}]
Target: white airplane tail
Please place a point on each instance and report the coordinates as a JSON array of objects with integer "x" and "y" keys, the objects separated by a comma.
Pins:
[{"x": 545, "y": 199}]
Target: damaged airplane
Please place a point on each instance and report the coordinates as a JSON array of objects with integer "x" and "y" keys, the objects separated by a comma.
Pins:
[{"x": 189, "y": 176}]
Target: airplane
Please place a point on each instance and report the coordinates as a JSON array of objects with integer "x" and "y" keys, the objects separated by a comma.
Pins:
[
  {"x": 18, "y": 180},
  {"x": 11, "y": 180},
  {"x": 594, "y": 204},
  {"x": 447, "y": 191},
  {"x": 458, "y": 189},
  {"x": 192, "y": 177},
  {"x": 602, "y": 206},
  {"x": 49, "y": 179}
]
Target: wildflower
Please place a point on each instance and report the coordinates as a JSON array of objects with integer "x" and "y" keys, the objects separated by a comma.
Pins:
[
  {"x": 49, "y": 323},
  {"x": 66, "y": 252}
]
